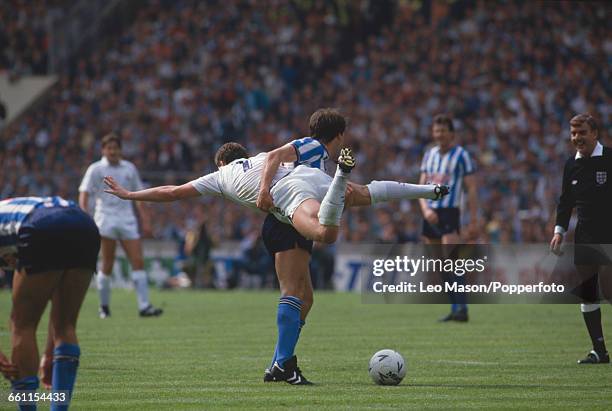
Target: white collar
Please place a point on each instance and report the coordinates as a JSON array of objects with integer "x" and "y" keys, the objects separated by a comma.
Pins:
[
  {"x": 104, "y": 161},
  {"x": 597, "y": 151}
]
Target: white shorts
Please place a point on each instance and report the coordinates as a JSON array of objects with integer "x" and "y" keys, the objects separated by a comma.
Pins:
[
  {"x": 117, "y": 228},
  {"x": 301, "y": 184}
]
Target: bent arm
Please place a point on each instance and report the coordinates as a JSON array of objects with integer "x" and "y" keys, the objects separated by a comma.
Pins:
[{"x": 274, "y": 158}]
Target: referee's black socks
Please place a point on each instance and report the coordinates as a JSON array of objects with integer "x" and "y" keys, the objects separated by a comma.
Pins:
[{"x": 592, "y": 319}]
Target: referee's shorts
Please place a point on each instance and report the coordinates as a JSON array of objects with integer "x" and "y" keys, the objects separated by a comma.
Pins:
[
  {"x": 591, "y": 251},
  {"x": 57, "y": 238},
  {"x": 590, "y": 245}
]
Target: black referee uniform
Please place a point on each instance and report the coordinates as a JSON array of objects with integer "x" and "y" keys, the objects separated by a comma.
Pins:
[{"x": 587, "y": 187}]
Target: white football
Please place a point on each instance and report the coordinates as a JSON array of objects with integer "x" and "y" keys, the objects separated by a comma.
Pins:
[{"x": 387, "y": 367}]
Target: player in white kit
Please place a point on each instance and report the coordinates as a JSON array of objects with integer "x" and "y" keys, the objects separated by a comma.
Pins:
[
  {"x": 117, "y": 221},
  {"x": 304, "y": 197}
]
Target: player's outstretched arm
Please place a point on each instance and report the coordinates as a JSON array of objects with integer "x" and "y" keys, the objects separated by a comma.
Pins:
[
  {"x": 160, "y": 194},
  {"x": 274, "y": 158}
]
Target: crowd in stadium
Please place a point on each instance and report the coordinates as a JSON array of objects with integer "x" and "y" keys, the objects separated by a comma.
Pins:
[
  {"x": 23, "y": 37},
  {"x": 187, "y": 76}
]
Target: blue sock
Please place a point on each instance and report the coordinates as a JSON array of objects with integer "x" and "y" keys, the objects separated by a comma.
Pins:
[
  {"x": 288, "y": 322},
  {"x": 26, "y": 384},
  {"x": 302, "y": 323},
  {"x": 65, "y": 364}
]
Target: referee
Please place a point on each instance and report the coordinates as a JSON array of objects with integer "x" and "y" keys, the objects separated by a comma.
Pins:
[{"x": 587, "y": 186}]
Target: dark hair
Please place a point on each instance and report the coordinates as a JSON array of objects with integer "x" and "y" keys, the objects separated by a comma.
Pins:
[
  {"x": 326, "y": 124},
  {"x": 229, "y": 152},
  {"x": 111, "y": 138},
  {"x": 580, "y": 119},
  {"x": 443, "y": 120}
]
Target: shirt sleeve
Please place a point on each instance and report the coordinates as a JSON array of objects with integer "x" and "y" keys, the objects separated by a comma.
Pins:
[
  {"x": 566, "y": 200},
  {"x": 88, "y": 184},
  {"x": 135, "y": 180},
  {"x": 424, "y": 162},
  {"x": 467, "y": 163},
  {"x": 308, "y": 150},
  {"x": 208, "y": 184}
]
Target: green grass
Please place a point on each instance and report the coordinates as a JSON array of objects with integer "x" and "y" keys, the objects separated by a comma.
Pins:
[{"x": 209, "y": 350}]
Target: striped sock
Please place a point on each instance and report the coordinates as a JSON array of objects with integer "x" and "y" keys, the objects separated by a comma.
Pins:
[
  {"x": 65, "y": 364},
  {"x": 288, "y": 322},
  {"x": 26, "y": 384},
  {"x": 302, "y": 324}
]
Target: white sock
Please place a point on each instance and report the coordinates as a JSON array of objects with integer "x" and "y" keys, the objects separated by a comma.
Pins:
[
  {"x": 333, "y": 202},
  {"x": 141, "y": 285},
  {"x": 382, "y": 191},
  {"x": 103, "y": 282}
]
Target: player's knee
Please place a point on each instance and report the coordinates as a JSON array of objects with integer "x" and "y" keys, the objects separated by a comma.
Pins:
[
  {"x": 20, "y": 323},
  {"x": 20, "y": 326},
  {"x": 307, "y": 302}
]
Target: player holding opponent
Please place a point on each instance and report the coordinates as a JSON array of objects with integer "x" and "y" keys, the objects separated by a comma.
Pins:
[
  {"x": 291, "y": 250},
  {"x": 53, "y": 247},
  {"x": 450, "y": 164},
  {"x": 305, "y": 197},
  {"x": 116, "y": 220}
]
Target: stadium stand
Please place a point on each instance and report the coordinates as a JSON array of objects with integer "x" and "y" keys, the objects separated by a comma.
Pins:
[{"x": 187, "y": 76}]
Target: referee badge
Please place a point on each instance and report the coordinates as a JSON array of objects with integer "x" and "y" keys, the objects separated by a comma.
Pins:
[{"x": 601, "y": 177}]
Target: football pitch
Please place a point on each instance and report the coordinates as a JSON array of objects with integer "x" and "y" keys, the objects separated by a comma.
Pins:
[{"x": 209, "y": 350}]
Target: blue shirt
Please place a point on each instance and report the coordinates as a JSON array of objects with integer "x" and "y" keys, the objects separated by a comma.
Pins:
[
  {"x": 449, "y": 169},
  {"x": 14, "y": 211},
  {"x": 310, "y": 152}
]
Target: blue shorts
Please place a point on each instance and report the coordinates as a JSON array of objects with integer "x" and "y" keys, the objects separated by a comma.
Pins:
[
  {"x": 57, "y": 238},
  {"x": 279, "y": 237},
  {"x": 448, "y": 222}
]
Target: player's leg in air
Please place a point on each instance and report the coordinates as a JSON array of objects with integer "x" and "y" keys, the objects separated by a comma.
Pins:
[
  {"x": 321, "y": 221},
  {"x": 56, "y": 262},
  {"x": 133, "y": 251}
]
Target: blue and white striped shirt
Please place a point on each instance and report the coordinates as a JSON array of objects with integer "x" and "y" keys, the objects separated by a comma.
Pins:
[
  {"x": 448, "y": 168},
  {"x": 310, "y": 152},
  {"x": 14, "y": 211}
]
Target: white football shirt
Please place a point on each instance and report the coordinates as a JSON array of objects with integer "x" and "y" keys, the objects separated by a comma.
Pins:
[
  {"x": 107, "y": 205},
  {"x": 239, "y": 180}
]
